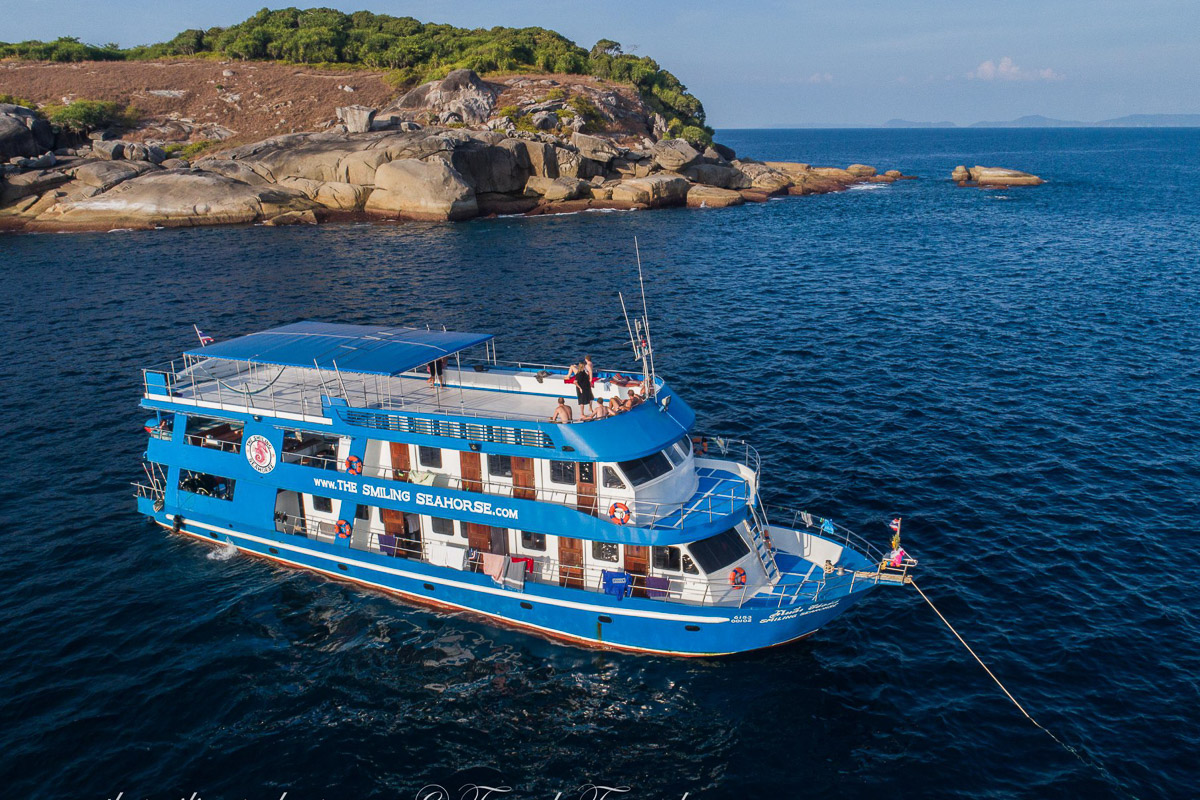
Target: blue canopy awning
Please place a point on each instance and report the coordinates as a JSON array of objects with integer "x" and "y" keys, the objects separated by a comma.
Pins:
[{"x": 354, "y": 348}]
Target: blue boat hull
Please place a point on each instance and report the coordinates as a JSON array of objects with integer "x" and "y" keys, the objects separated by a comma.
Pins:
[{"x": 574, "y": 615}]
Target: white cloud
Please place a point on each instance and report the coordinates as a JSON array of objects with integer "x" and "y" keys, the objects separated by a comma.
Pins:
[
  {"x": 820, "y": 77},
  {"x": 1007, "y": 70}
]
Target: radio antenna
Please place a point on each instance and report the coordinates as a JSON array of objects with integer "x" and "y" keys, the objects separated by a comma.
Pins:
[
  {"x": 632, "y": 341},
  {"x": 649, "y": 348}
]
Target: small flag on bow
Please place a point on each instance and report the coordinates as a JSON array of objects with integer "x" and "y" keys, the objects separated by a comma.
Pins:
[
  {"x": 205, "y": 339},
  {"x": 895, "y": 526}
]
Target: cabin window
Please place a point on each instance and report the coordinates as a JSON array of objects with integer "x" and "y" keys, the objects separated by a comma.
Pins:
[
  {"x": 673, "y": 456},
  {"x": 645, "y": 469},
  {"x": 562, "y": 472},
  {"x": 218, "y": 434},
  {"x": 533, "y": 541},
  {"x": 612, "y": 480},
  {"x": 362, "y": 512},
  {"x": 202, "y": 483},
  {"x": 430, "y": 456},
  {"x": 322, "y": 504},
  {"x": 605, "y": 551},
  {"x": 684, "y": 446},
  {"x": 310, "y": 449},
  {"x": 587, "y": 472},
  {"x": 689, "y": 566},
  {"x": 441, "y": 526},
  {"x": 665, "y": 558},
  {"x": 500, "y": 466},
  {"x": 717, "y": 552}
]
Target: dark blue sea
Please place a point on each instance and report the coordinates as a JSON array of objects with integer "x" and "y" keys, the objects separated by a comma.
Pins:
[{"x": 1016, "y": 373}]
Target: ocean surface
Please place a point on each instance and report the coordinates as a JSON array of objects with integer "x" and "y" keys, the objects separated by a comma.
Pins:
[{"x": 1016, "y": 373}]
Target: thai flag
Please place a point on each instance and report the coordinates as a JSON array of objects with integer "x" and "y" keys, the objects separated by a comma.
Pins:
[
  {"x": 895, "y": 526},
  {"x": 205, "y": 339}
]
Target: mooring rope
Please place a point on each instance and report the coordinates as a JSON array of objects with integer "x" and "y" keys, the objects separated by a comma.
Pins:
[{"x": 1103, "y": 772}]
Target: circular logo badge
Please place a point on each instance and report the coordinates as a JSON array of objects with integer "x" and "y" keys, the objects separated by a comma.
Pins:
[{"x": 260, "y": 453}]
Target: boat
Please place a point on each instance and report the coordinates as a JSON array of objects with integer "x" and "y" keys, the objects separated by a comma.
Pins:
[{"x": 415, "y": 462}]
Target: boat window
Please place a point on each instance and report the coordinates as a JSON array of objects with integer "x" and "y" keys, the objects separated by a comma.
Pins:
[
  {"x": 587, "y": 472},
  {"x": 202, "y": 483},
  {"x": 442, "y": 526},
  {"x": 533, "y": 541},
  {"x": 218, "y": 434},
  {"x": 684, "y": 446},
  {"x": 719, "y": 551},
  {"x": 430, "y": 456},
  {"x": 645, "y": 469},
  {"x": 500, "y": 466},
  {"x": 562, "y": 472},
  {"x": 362, "y": 512},
  {"x": 310, "y": 449},
  {"x": 689, "y": 566},
  {"x": 612, "y": 480},
  {"x": 673, "y": 456},
  {"x": 665, "y": 558},
  {"x": 605, "y": 551},
  {"x": 322, "y": 504}
]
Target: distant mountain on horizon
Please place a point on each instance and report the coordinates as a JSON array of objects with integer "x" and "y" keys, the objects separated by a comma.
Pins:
[{"x": 1039, "y": 121}]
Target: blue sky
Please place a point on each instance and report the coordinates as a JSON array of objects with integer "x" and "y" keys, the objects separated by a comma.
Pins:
[{"x": 778, "y": 63}]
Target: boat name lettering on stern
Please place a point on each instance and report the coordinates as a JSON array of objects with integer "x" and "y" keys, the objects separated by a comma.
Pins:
[
  {"x": 420, "y": 498},
  {"x": 791, "y": 613}
]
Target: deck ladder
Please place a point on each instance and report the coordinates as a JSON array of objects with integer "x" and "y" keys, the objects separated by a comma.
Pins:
[{"x": 765, "y": 556}]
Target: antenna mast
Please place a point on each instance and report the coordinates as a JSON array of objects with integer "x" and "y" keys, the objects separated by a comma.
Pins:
[{"x": 648, "y": 350}]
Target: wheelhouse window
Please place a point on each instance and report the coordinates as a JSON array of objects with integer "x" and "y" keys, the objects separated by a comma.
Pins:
[
  {"x": 533, "y": 541},
  {"x": 562, "y": 472},
  {"x": 322, "y": 504},
  {"x": 430, "y": 456},
  {"x": 218, "y": 434},
  {"x": 206, "y": 485},
  {"x": 683, "y": 446},
  {"x": 645, "y": 469},
  {"x": 689, "y": 566},
  {"x": 606, "y": 551},
  {"x": 612, "y": 480},
  {"x": 667, "y": 558},
  {"x": 718, "y": 552},
  {"x": 500, "y": 466},
  {"x": 441, "y": 526}
]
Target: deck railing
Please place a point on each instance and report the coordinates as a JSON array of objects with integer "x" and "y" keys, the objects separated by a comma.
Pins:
[{"x": 823, "y": 527}]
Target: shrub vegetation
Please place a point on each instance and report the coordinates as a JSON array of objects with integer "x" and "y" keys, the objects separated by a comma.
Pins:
[{"x": 412, "y": 51}]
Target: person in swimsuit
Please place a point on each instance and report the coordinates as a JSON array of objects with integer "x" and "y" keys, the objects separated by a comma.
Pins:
[
  {"x": 583, "y": 385},
  {"x": 600, "y": 413},
  {"x": 631, "y": 400},
  {"x": 614, "y": 405},
  {"x": 562, "y": 412}
]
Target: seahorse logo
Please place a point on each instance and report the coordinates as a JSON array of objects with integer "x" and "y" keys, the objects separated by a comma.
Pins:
[{"x": 260, "y": 453}]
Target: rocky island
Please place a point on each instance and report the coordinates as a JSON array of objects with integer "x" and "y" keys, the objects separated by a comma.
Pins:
[{"x": 463, "y": 145}]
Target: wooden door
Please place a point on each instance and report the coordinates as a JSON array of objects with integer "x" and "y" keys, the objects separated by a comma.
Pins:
[
  {"x": 570, "y": 562},
  {"x": 394, "y": 527},
  {"x": 400, "y": 462},
  {"x": 479, "y": 537},
  {"x": 472, "y": 471},
  {"x": 585, "y": 488},
  {"x": 637, "y": 562},
  {"x": 524, "y": 487}
]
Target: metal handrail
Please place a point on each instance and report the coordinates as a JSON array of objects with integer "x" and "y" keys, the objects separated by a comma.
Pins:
[
  {"x": 200, "y": 440},
  {"x": 820, "y": 526}
]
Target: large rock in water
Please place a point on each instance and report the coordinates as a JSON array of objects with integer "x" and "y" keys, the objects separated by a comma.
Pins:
[
  {"x": 462, "y": 92},
  {"x": 1000, "y": 176},
  {"x": 718, "y": 175},
  {"x": 554, "y": 189},
  {"x": 23, "y": 133},
  {"x": 712, "y": 197},
  {"x": 653, "y": 190},
  {"x": 431, "y": 190},
  {"x": 173, "y": 199}
]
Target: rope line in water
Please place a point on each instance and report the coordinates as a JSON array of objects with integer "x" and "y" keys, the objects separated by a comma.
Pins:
[{"x": 1104, "y": 773}]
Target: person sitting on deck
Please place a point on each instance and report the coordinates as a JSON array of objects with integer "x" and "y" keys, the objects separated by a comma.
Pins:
[
  {"x": 562, "y": 412},
  {"x": 631, "y": 400},
  {"x": 601, "y": 411},
  {"x": 615, "y": 406}
]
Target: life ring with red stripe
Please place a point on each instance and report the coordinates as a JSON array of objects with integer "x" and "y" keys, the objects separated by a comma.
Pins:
[
  {"x": 737, "y": 577},
  {"x": 354, "y": 465},
  {"x": 343, "y": 529},
  {"x": 619, "y": 513}
]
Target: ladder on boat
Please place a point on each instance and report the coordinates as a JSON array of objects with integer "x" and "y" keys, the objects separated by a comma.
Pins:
[{"x": 765, "y": 556}]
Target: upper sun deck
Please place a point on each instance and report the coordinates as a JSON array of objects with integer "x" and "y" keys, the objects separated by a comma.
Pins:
[{"x": 377, "y": 378}]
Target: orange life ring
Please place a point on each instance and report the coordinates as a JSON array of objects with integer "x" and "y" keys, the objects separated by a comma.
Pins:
[
  {"x": 343, "y": 529},
  {"x": 737, "y": 577},
  {"x": 619, "y": 513},
  {"x": 354, "y": 465}
]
